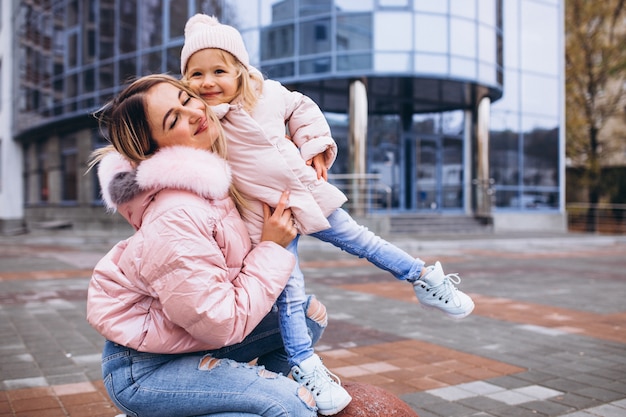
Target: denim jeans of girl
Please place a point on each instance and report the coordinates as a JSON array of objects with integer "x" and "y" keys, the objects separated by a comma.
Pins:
[
  {"x": 217, "y": 383},
  {"x": 348, "y": 235}
]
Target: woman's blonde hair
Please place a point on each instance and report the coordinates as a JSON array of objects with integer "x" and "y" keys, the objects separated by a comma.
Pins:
[
  {"x": 124, "y": 122},
  {"x": 249, "y": 83}
]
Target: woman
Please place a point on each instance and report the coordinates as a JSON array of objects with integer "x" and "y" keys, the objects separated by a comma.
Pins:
[{"x": 188, "y": 283}]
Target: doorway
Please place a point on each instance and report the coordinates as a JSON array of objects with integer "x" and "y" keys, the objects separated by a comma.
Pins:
[{"x": 434, "y": 168}]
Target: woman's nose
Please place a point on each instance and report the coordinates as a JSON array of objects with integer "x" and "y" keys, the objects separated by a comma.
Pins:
[{"x": 197, "y": 112}]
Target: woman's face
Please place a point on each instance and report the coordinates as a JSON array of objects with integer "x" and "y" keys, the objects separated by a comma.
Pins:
[
  {"x": 212, "y": 78},
  {"x": 176, "y": 118}
]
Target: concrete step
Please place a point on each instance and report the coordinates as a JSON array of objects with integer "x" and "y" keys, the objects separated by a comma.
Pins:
[{"x": 437, "y": 224}]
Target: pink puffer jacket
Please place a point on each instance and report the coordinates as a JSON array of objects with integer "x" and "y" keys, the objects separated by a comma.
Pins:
[
  {"x": 187, "y": 280},
  {"x": 265, "y": 163}
]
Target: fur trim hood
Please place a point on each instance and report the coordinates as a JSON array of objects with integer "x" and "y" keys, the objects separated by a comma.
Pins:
[{"x": 176, "y": 167}]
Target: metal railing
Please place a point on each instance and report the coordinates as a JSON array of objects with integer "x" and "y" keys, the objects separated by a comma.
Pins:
[
  {"x": 365, "y": 192},
  {"x": 599, "y": 218}
]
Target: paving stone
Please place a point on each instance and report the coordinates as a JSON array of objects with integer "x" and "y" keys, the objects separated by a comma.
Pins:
[{"x": 518, "y": 341}]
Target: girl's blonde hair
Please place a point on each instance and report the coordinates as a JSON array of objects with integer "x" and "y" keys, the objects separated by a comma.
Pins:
[
  {"x": 249, "y": 83},
  {"x": 124, "y": 122}
]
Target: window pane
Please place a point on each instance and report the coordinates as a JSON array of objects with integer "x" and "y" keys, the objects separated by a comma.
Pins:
[
  {"x": 540, "y": 95},
  {"x": 392, "y": 32},
  {"x": 431, "y": 34},
  {"x": 151, "y": 63},
  {"x": 178, "y": 18},
  {"x": 463, "y": 8},
  {"x": 277, "y": 42},
  {"x": 541, "y": 157},
  {"x": 315, "y": 66},
  {"x": 354, "y": 5},
  {"x": 151, "y": 33},
  {"x": 354, "y": 32},
  {"x": 431, "y": 6},
  {"x": 462, "y": 37},
  {"x": 354, "y": 62},
  {"x": 128, "y": 26},
  {"x": 390, "y": 62},
  {"x": 314, "y": 7},
  {"x": 539, "y": 38},
  {"x": 315, "y": 37},
  {"x": 273, "y": 11}
]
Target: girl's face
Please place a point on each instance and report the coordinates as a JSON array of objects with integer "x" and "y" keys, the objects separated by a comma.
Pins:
[
  {"x": 211, "y": 77},
  {"x": 176, "y": 118}
]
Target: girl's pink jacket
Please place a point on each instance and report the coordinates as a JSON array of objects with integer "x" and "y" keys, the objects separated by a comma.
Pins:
[
  {"x": 187, "y": 280},
  {"x": 268, "y": 150}
]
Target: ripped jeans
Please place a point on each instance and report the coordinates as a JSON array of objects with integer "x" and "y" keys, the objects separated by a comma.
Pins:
[{"x": 217, "y": 383}]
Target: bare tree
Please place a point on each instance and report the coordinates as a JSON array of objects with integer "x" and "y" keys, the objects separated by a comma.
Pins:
[{"x": 595, "y": 54}]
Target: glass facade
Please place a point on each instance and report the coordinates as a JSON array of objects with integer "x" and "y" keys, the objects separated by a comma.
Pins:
[
  {"x": 425, "y": 64},
  {"x": 526, "y": 123}
]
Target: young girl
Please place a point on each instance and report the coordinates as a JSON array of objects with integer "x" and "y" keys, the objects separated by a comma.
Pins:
[{"x": 254, "y": 114}]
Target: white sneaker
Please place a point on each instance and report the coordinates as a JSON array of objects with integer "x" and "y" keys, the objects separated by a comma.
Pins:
[
  {"x": 436, "y": 290},
  {"x": 326, "y": 387}
]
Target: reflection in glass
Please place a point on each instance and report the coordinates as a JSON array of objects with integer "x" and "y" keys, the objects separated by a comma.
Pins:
[
  {"x": 151, "y": 63},
  {"x": 178, "y": 18},
  {"x": 275, "y": 11},
  {"x": 541, "y": 157},
  {"x": 128, "y": 27},
  {"x": 277, "y": 42},
  {"x": 354, "y": 32},
  {"x": 315, "y": 66},
  {"x": 354, "y": 5},
  {"x": 314, "y": 7},
  {"x": 354, "y": 62},
  {"x": 504, "y": 157},
  {"x": 539, "y": 38},
  {"x": 540, "y": 94},
  {"x": 426, "y": 174},
  {"x": 151, "y": 33},
  {"x": 315, "y": 36},
  {"x": 452, "y": 173}
]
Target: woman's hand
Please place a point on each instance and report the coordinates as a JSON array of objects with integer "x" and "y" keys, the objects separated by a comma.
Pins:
[{"x": 278, "y": 226}]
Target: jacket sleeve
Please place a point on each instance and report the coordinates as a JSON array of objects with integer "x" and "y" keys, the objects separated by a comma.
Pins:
[
  {"x": 308, "y": 127},
  {"x": 197, "y": 287}
]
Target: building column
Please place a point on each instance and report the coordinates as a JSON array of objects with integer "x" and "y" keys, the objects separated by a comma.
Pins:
[
  {"x": 357, "y": 138},
  {"x": 483, "y": 182}
]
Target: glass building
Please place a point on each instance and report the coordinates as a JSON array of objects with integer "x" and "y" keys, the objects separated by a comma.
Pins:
[{"x": 459, "y": 103}]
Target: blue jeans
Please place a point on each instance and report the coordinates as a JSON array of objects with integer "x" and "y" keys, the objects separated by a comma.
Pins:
[
  {"x": 348, "y": 235},
  {"x": 216, "y": 383}
]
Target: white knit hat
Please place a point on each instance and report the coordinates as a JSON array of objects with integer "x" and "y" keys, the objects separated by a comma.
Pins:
[{"x": 203, "y": 31}]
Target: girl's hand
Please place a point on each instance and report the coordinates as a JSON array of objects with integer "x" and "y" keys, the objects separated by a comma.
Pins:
[
  {"x": 278, "y": 226},
  {"x": 319, "y": 163}
]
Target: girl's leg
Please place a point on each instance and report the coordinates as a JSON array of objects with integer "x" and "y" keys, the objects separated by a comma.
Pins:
[
  {"x": 348, "y": 235},
  {"x": 144, "y": 384},
  {"x": 266, "y": 343},
  {"x": 316, "y": 321},
  {"x": 307, "y": 367},
  {"x": 433, "y": 288},
  {"x": 292, "y": 319}
]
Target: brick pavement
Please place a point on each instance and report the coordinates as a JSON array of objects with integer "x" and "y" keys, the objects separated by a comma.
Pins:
[{"x": 547, "y": 337}]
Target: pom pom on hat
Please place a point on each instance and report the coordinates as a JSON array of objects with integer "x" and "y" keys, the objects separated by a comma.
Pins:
[{"x": 203, "y": 31}]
